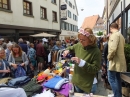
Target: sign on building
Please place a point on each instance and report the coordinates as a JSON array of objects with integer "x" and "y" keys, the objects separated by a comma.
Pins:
[{"x": 63, "y": 12}]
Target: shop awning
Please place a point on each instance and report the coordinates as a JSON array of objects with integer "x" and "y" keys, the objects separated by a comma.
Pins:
[{"x": 43, "y": 35}]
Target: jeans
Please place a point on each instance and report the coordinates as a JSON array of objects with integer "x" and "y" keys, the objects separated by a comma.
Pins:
[
  {"x": 93, "y": 90},
  {"x": 114, "y": 79},
  {"x": 79, "y": 90}
]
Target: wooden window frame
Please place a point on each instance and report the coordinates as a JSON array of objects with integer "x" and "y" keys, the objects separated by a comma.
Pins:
[
  {"x": 8, "y": 5},
  {"x": 45, "y": 12},
  {"x": 30, "y": 8},
  {"x": 53, "y": 12}
]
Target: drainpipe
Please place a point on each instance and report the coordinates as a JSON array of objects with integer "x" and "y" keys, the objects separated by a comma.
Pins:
[{"x": 59, "y": 17}]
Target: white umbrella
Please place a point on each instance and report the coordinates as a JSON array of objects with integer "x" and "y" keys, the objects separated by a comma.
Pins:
[{"x": 43, "y": 35}]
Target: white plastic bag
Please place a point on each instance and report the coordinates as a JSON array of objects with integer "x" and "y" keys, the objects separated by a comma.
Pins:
[
  {"x": 46, "y": 93},
  {"x": 49, "y": 57}
]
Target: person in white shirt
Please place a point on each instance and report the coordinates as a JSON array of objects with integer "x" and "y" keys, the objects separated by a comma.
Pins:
[{"x": 12, "y": 92}]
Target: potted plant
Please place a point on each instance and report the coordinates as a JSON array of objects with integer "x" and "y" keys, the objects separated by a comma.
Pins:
[
  {"x": 126, "y": 85},
  {"x": 99, "y": 33},
  {"x": 127, "y": 56}
]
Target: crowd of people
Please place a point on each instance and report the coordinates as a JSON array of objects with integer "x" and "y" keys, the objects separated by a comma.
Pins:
[
  {"x": 90, "y": 56},
  {"x": 25, "y": 53}
]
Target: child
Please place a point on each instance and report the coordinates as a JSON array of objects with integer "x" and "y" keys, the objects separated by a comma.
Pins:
[{"x": 32, "y": 56}]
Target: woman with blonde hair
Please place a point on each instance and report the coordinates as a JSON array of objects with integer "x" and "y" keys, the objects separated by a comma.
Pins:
[
  {"x": 87, "y": 60},
  {"x": 18, "y": 57},
  {"x": 58, "y": 46},
  {"x": 4, "y": 65}
]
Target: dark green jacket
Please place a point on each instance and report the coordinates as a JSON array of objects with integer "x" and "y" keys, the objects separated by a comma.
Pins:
[{"x": 83, "y": 76}]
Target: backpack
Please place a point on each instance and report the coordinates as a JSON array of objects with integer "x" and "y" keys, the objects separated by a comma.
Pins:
[
  {"x": 32, "y": 88},
  {"x": 20, "y": 72}
]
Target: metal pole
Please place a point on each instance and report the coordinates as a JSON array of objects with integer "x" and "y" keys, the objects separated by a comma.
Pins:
[{"x": 107, "y": 18}]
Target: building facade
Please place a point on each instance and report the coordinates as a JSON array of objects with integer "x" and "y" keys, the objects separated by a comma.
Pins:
[
  {"x": 99, "y": 27},
  {"x": 119, "y": 11},
  {"x": 21, "y": 18},
  {"x": 69, "y": 28},
  {"x": 94, "y": 22}
]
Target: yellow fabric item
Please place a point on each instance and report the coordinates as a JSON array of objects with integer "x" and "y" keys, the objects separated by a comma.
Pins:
[
  {"x": 60, "y": 70},
  {"x": 59, "y": 64},
  {"x": 5, "y": 80}
]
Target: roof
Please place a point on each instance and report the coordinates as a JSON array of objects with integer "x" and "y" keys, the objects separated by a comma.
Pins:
[
  {"x": 100, "y": 21},
  {"x": 90, "y": 21}
]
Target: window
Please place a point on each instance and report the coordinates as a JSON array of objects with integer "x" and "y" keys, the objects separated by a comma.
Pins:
[
  {"x": 66, "y": 1},
  {"x": 73, "y": 16},
  {"x": 27, "y": 7},
  {"x": 73, "y": 7},
  {"x": 4, "y": 4},
  {"x": 43, "y": 13},
  {"x": 73, "y": 27},
  {"x": 67, "y": 26},
  {"x": 70, "y": 4},
  {"x": 54, "y": 14},
  {"x": 53, "y": 1},
  {"x": 69, "y": 14},
  {"x": 128, "y": 26},
  {"x": 63, "y": 25}
]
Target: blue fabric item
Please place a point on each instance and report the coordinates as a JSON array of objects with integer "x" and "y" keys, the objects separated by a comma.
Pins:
[
  {"x": 19, "y": 81},
  {"x": 32, "y": 54},
  {"x": 24, "y": 47},
  {"x": 56, "y": 48},
  {"x": 20, "y": 72},
  {"x": 56, "y": 82},
  {"x": 2, "y": 62},
  {"x": 7, "y": 51}
]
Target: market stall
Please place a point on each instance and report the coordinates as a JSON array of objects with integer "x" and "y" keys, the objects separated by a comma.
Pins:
[{"x": 43, "y": 35}]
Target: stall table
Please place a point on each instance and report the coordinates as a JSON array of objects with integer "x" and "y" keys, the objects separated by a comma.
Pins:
[
  {"x": 80, "y": 95},
  {"x": 125, "y": 77}
]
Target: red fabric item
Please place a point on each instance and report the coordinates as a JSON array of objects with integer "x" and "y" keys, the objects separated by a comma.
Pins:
[
  {"x": 40, "y": 50},
  {"x": 42, "y": 77}
]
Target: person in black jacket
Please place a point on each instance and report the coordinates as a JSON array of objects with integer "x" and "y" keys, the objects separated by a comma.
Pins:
[
  {"x": 105, "y": 61},
  {"x": 105, "y": 50}
]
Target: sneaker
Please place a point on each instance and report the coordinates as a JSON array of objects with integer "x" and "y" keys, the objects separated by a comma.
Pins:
[{"x": 111, "y": 95}]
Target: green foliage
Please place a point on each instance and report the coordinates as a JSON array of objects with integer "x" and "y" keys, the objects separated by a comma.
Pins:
[
  {"x": 127, "y": 56},
  {"x": 99, "y": 33}
]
